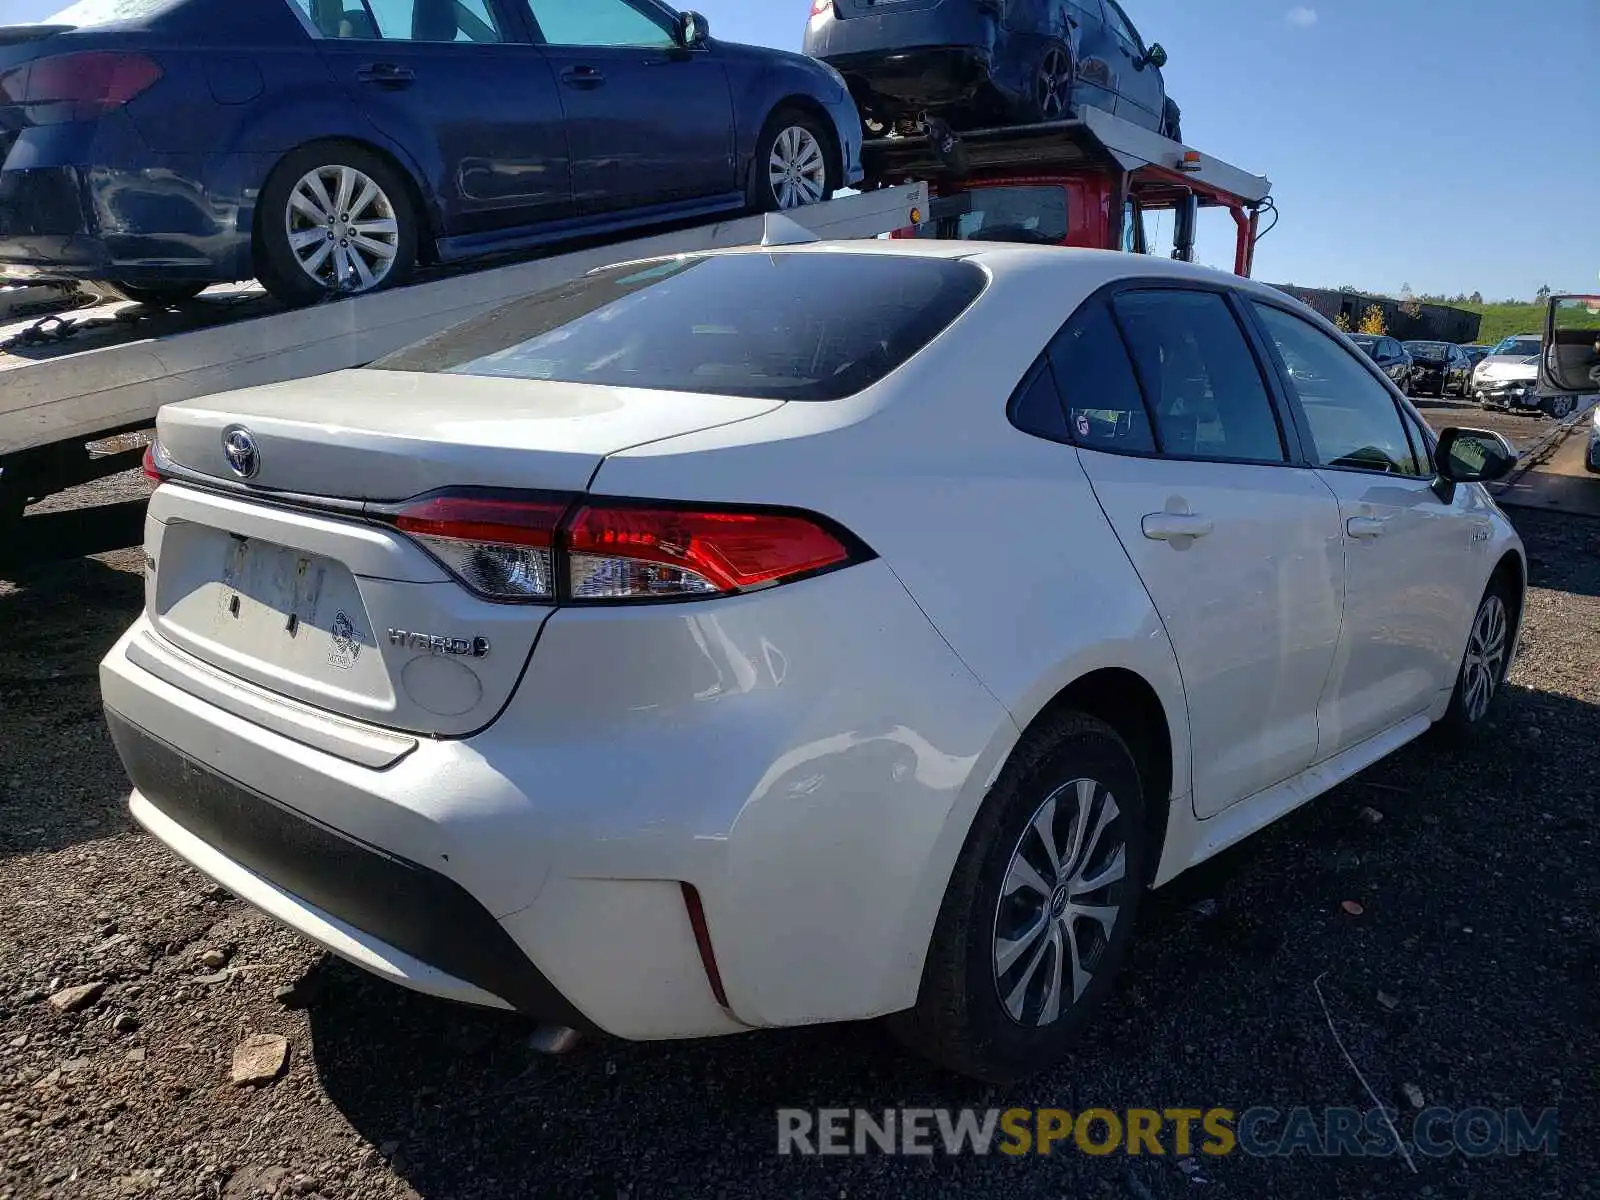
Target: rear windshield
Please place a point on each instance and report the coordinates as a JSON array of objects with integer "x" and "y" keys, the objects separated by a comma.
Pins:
[
  {"x": 86, "y": 14},
  {"x": 1029, "y": 214},
  {"x": 1428, "y": 349},
  {"x": 783, "y": 326}
]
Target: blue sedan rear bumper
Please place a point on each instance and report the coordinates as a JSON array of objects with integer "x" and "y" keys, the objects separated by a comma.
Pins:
[{"x": 74, "y": 211}]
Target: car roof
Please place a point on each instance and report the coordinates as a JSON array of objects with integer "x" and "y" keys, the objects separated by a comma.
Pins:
[{"x": 1089, "y": 268}]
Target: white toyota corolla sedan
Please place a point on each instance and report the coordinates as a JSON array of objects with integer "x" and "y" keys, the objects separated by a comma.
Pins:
[{"x": 799, "y": 634}]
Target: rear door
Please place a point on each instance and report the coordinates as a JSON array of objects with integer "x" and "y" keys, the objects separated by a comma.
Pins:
[
  {"x": 458, "y": 86},
  {"x": 1140, "y": 95},
  {"x": 1413, "y": 560},
  {"x": 1237, "y": 546},
  {"x": 647, "y": 122}
]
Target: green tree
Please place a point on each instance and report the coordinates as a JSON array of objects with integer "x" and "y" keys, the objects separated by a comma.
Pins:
[{"x": 1542, "y": 294}]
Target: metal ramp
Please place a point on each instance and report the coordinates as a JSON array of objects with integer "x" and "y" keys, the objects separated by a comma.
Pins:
[{"x": 115, "y": 374}]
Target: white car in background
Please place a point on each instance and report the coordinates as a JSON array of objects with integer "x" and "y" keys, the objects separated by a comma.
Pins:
[
  {"x": 1508, "y": 377},
  {"x": 799, "y": 634}
]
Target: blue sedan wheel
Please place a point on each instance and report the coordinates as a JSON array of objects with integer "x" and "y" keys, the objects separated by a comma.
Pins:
[
  {"x": 791, "y": 164},
  {"x": 334, "y": 219}
]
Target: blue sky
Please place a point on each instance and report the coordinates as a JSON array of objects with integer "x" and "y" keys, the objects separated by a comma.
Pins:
[{"x": 1450, "y": 144}]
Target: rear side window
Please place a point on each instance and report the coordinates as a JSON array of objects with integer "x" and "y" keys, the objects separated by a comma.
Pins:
[
  {"x": 1203, "y": 382},
  {"x": 782, "y": 326},
  {"x": 1098, "y": 390},
  {"x": 403, "y": 20}
]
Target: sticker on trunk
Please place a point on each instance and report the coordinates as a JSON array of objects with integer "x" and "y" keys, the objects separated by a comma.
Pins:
[{"x": 347, "y": 641}]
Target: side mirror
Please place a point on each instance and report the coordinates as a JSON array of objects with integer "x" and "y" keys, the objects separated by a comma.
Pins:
[
  {"x": 1570, "y": 361},
  {"x": 1473, "y": 456},
  {"x": 693, "y": 30},
  {"x": 1156, "y": 56}
]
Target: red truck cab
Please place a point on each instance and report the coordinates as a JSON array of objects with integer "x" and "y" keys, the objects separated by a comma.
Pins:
[{"x": 1089, "y": 182}]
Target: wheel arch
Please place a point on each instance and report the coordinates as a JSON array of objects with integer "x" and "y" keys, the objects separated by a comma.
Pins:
[
  {"x": 1512, "y": 572},
  {"x": 1127, "y": 702},
  {"x": 427, "y": 228},
  {"x": 811, "y": 107}
]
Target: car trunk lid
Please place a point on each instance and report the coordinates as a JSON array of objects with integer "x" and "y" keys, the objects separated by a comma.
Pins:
[{"x": 292, "y": 582}]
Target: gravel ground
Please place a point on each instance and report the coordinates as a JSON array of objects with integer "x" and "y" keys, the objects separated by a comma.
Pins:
[{"x": 1478, "y": 887}]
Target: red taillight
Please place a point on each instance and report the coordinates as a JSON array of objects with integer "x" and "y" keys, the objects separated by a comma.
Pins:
[
  {"x": 627, "y": 552},
  {"x": 77, "y": 87},
  {"x": 155, "y": 462},
  {"x": 499, "y": 546},
  {"x": 543, "y": 548}
]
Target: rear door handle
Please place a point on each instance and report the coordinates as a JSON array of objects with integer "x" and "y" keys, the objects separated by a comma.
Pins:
[
  {"x": 1365, "y": 528},
  {"x": 387, "y": 74},
  {"x": 582, "y": 77},
  {"x": 1173, "y": 527}
]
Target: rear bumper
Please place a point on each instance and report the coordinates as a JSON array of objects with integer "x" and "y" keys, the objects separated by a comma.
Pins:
[
  {"x": 144, "y": 218},
  {"x": 923, "y": 77},
  {"x": 390, "y": 915},
  {"x": 792, "y": 755}
]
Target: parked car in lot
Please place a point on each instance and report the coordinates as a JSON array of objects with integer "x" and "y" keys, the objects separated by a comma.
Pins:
[
  {"x": 973, "y": 61},
  {"x": 1592, "y": 458},
  {"x": 1508, "y": 377},
  {"x": 325, "y": 146},
  {"x": 799, "y": 634},
  {"x": 1390, "y": 354},
  {"x": 1439, "y": 368},
  {"x": 1476, "y": 352}
]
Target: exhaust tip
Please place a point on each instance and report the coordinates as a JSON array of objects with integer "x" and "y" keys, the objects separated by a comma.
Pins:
[{"x": 554, "y": 1039}]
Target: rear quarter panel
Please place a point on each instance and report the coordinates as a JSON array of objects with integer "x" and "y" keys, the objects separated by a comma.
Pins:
[{"x": 994, "y": 533}]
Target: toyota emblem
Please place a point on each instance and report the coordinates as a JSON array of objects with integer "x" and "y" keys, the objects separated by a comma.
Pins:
[{"x": 239, "y": 448}]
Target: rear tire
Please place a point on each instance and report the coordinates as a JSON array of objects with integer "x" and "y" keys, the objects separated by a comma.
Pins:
[
  {"x": 793, "y": 166},
  {"x": 1024, "y": 949},
  {"x": 1050, "y": 86},
  {"x": 157, "y": 295},
  {"x": 1484, "y": 664},
  {"x": 334, "y": 219}
]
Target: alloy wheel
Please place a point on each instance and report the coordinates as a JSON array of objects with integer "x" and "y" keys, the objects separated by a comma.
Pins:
[
  {"x": 1062, "y": 894},
  {"x": 342, "y": 229},
  {"x": 1486, "y": 655},
  {"x": 1053, "y": 86},
  {"x": 797, "y": 170}
]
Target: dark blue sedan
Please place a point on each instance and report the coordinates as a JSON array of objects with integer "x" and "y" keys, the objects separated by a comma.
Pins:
[
  {"x": 332, "y": 145},
  {"x": 972, "y": 61}
]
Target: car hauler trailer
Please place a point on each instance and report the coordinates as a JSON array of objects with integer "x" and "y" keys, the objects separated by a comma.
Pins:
[
  {"x": 57, "y": 398},
  {"x": 1087, "y": 182}
]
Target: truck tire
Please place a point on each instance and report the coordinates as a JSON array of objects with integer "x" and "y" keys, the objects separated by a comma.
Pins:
[{"x": 334, "y": 219}]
